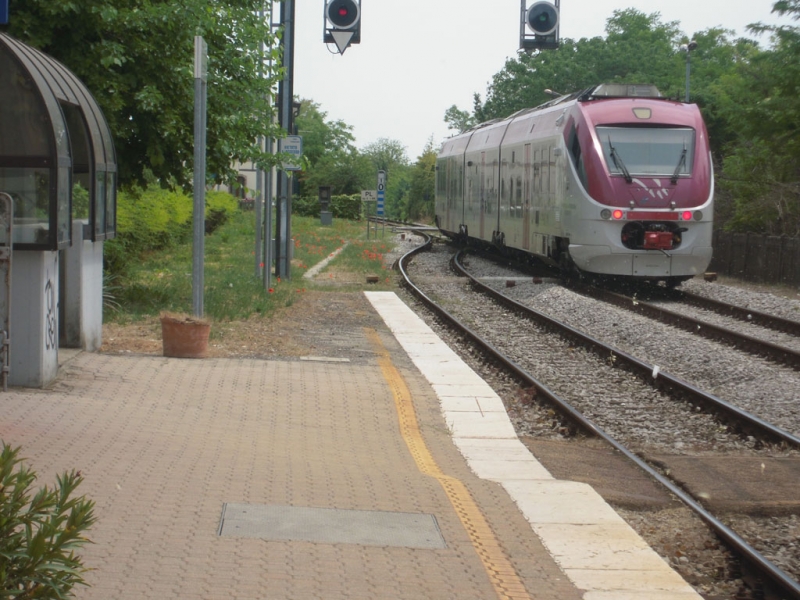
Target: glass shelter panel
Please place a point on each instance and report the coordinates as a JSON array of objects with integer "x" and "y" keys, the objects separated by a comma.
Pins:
[
  {"x": 111, "y": 205},
  {"x": 29, "y": 188},
  {"x": 81, "y": 162},
  {"x": 99, "y": 202},
  {"x": 24, "y": 126}
]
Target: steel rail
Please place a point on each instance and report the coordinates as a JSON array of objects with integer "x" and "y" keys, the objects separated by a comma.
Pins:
[
  {"x": 771, "y": 351},
  {"x": 756, "y": 317},
  {"x": 775, "y": 584},
  {"x": 730, "y": 413}
]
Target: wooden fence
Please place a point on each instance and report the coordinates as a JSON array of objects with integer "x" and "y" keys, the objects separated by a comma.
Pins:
[{"x": 757, "y": 258}]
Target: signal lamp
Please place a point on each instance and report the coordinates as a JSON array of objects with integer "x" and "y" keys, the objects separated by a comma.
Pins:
[
  {"x": 542, "y": 18},
  {"x": 342, "y": 14}
]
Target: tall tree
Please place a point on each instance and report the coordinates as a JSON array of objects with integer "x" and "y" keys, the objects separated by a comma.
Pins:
[
  {"x": 459, "y": 120},
  {"x": 386, "y": 155},
  {"x": 136, "y": 57},
  {"x": 762, "y": 167},
  {"x": 390, "y": 156},
  {"x": 639, "y": 48},
  {"x": 331, "y": 156},
  {"x": 420, "y": 205}
]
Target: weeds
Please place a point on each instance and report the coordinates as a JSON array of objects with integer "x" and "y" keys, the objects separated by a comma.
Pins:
[{"x": 162, "y": 280}]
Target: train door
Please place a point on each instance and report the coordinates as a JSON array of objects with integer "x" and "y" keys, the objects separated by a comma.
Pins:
[
  {"x": 526, "y": 201},
  {"x": 482, "y": 207}
]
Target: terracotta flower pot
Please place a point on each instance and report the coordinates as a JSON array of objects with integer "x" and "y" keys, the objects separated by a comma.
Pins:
[{"x": 184, "y": 337}]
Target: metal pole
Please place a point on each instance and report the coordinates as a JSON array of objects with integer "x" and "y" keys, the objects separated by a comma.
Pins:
[
  {"x": 688, "y": 70},
  {"x": 284, "y": 211},
  {"x": 259, "y": 172},
  {"x": 258, "y": 213},
  {"x": 269, "y": 249},
  {"x": 199, "y": 212}
]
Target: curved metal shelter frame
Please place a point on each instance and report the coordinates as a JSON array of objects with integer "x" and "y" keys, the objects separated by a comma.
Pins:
[{"x": 54, "y": 140}]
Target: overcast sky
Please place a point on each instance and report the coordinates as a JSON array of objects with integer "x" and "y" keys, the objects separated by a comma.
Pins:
[{"x": 419, "y": 57}]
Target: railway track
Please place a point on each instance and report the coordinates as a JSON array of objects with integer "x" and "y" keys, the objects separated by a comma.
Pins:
[
  {"x": 560, "y": 351},
  {"x": 669, "y": 307},
  {"x": 744, "y": 314}
]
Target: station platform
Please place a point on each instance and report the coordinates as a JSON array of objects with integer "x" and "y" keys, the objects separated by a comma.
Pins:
[{"x": 394, "y": 476}]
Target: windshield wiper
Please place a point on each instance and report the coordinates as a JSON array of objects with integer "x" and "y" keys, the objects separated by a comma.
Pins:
[
  {"x": 618, "y": 162},
  {"x": 681, "y": 163}
]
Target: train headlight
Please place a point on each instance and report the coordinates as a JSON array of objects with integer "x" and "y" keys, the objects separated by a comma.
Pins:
[
  {"x": 605, "y": 214},
  {"x": 698, "y": 215},
  {"x": 618, "y": 214}
]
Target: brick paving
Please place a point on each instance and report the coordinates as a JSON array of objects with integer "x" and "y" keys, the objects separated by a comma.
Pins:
[{"x": 164, "y": 443}]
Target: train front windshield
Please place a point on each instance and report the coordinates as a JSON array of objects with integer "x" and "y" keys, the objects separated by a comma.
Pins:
[{"x": 648, "y": 151}]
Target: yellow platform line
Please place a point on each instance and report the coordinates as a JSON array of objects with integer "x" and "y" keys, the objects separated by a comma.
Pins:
[{"x": 502, "y": 574}]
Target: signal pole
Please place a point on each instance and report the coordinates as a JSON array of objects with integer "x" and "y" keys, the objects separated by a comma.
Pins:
[{"x": 283, "y": 213}]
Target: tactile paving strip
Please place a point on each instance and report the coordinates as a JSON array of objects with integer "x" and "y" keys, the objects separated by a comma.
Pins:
[{"x": 331, "y": 526}]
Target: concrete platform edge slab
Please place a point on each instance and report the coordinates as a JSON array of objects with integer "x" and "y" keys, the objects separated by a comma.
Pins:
[{"x": 585, "y": 507}]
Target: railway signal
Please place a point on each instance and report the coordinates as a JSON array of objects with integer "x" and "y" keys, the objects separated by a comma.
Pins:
[
  {"x": 539, "y": 25},
  {"x": 342, "y": 23}
]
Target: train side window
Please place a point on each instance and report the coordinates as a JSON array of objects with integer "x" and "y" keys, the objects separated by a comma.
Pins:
[{"x": 577, "y": 156}]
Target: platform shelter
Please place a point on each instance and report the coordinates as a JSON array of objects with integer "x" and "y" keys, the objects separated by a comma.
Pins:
[{"x": 58, "y": 164}]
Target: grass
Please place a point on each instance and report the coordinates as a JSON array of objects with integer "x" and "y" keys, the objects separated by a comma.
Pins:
[{"x": 162, "y": 281}]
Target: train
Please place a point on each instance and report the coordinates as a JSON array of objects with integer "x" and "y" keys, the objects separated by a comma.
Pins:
[{"x": 615, "y": 181}]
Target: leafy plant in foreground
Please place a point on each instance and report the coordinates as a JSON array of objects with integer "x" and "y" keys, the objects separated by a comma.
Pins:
[{"x": 40, "y": 532}]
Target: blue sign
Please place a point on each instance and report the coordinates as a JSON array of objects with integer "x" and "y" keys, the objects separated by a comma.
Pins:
[
  {"x": 381, "y": 191},
  {"x": 380, "y": 204},
  {"x": 3, "y": 12}
]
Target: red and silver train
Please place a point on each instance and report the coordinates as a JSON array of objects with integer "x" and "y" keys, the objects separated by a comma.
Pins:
[{"x": 612, "y": 181}]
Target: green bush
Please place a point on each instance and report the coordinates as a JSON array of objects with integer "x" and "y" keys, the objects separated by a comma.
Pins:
[
  {"x": 219, "y": 208},
  {"x": 155, "y": 219},
  {"x": 305, "y": 206},
  {"x": 342, "y": 207},
  {"x": 346, "y": 207},
  {"x": 39, "y": 533}
]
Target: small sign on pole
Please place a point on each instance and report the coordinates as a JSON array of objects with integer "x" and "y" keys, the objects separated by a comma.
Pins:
[
  {"x": 381, "y": 191},
  {"x": 293, "y": 145}
]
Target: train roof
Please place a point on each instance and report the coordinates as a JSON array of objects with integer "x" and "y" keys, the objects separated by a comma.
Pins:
[{"x": 586, "y": 97}]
